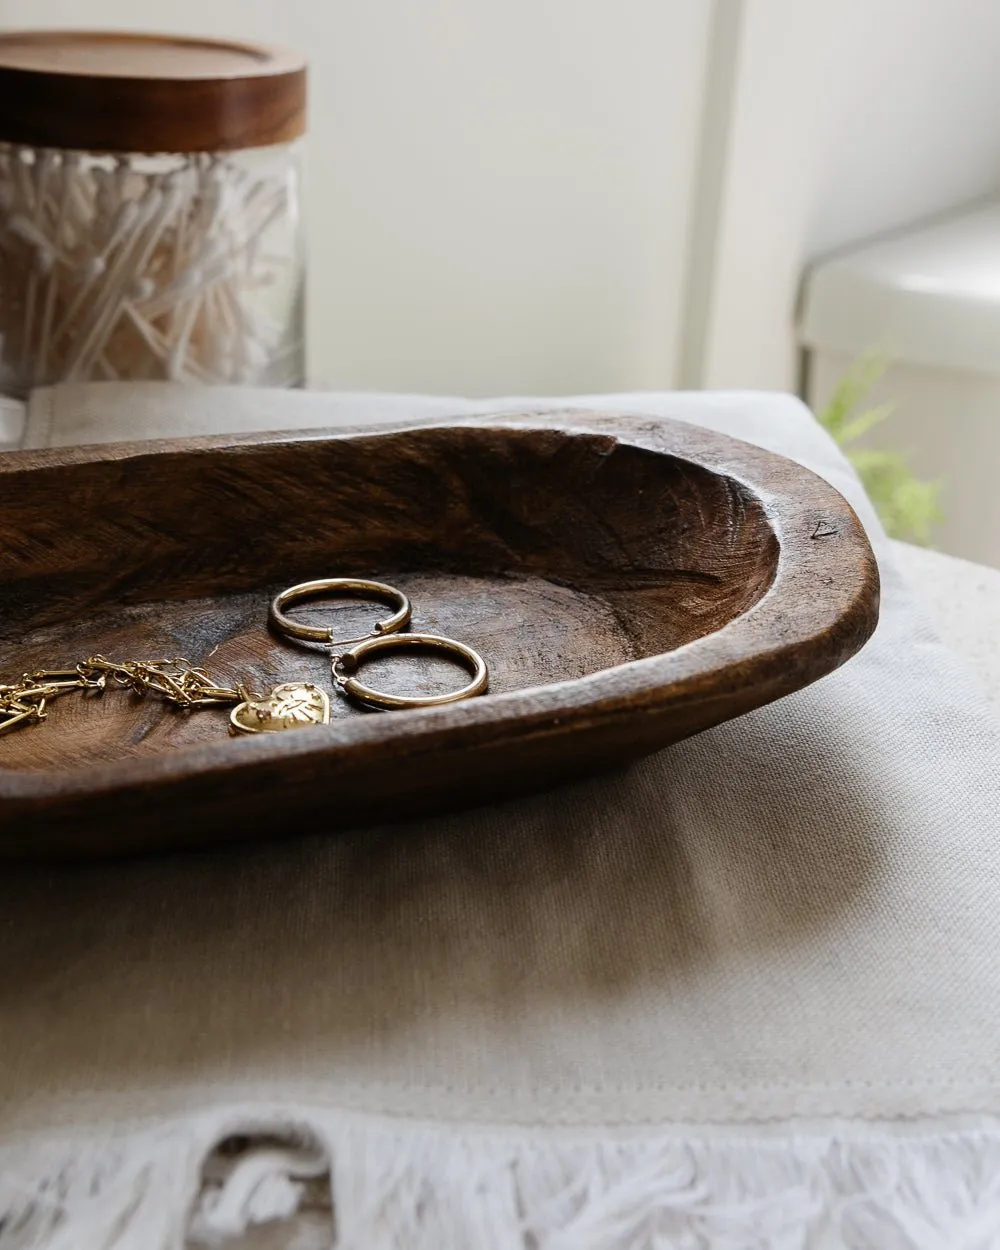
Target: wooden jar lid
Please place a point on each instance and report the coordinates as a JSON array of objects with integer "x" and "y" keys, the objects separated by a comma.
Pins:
[{"x": 101, "y": 91}]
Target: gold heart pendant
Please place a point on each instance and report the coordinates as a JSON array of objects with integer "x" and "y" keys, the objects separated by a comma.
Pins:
[{"x": 296, "y": 705}]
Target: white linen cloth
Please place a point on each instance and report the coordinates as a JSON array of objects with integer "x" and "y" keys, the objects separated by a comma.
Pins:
[{"x": 744, "y": 993}]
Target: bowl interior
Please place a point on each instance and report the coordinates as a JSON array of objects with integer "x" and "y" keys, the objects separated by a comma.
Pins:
[{"x": 553, "y": 553}]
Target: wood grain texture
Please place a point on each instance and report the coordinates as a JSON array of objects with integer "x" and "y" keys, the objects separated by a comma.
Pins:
[
  {"x": 629, "y": 583},
  {"x": 109, "y": 91}
]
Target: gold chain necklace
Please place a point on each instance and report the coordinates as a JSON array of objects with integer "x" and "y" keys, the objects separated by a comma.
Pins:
[{"x": 177, "y": 681}]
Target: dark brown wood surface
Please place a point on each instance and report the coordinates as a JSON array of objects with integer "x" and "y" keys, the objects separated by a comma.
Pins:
[
  {"x": 108, "y": 91},
  {"x": 629, "y": 583}
]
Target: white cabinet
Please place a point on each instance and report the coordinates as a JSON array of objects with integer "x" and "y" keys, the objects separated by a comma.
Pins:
[{"x": 929, "y": 299}]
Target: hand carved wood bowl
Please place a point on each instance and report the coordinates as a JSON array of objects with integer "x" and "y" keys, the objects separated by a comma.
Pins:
[{"x": 629, "y": 582}]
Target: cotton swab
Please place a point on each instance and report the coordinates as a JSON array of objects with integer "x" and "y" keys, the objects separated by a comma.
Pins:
[
  {"x": 69, "y": 165},
  {"x": 146, "y": 267},
  {"x": 93, "y": 268},
  {"x": 44, "y": 255}
]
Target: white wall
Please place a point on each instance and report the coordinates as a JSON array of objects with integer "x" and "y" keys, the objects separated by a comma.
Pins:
[
  {"x": 550, "y": 195},
  {"x": 916, "y": 122},
  {"x": 849, "y": 118},
  {"x": 780, "y": 103},
  {"x": 498, "y": 192}
]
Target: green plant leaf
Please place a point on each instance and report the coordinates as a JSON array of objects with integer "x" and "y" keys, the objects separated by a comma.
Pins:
[
  {"x": 851, "y": 390},
  {"x": 859, "y": 426},
  {"x": 908, "y": 507}
]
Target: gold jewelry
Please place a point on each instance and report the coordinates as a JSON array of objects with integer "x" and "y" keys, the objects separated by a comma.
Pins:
[
  {"x": 292, "y": 705},
  {"x": 295, "y": 705},
  {"x": 178, "y": 681},
  {"x": 346, "y": 664},
  {"x": 347, "y": 654},
  {"x": 338, "y": 586}
]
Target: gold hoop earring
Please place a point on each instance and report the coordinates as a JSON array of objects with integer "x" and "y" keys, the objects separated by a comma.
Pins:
[
  {"x": 346, "y": 664},
  {"x": 338, "y": 586}
]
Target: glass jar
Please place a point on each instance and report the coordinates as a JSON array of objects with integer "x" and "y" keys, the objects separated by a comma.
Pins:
[{"x": 163, "y": 238}]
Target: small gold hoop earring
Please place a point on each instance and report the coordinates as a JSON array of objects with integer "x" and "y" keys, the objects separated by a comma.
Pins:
[
  {"x": 347, "y": 663},
  {"x": 338, "y": 586}
]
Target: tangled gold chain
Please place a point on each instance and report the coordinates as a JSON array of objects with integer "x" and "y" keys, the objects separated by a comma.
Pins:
[{"x": 177, "y": 680}]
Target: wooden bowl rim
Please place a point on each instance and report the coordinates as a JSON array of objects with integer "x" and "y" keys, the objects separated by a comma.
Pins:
[{"x": 804, "y": 520}]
